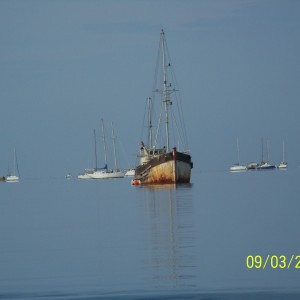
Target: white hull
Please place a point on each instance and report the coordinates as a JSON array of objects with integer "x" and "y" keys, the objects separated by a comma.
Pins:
[
  {"x": 107, "y": 174},
  {"x": 282, "y": 165},
  {"x": 87, "y": 174},
  {"x": 84, "y": 176},
  {"x": 130, "y": 172},
  {"x": 12, "y": 178},
  {"x": 266, "y": 166},
  {"x": 238, "y": 168}
]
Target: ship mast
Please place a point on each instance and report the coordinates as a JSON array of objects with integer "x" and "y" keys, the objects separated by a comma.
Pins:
[
  {"x": 114, "y": 143},
  {"x": 95, "y": 150},
  {"x": 166, "y": 91},
  {"x": 149, "y": 100},
  {"x": 104, "y": 142}
]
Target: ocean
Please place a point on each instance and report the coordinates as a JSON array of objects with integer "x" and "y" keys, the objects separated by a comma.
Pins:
[{"x": 224, "y": 236}]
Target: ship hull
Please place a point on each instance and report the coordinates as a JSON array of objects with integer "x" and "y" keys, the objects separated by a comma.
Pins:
[
  {"x": 107, "y": 174},
  {"x": 173, "y": 167}
]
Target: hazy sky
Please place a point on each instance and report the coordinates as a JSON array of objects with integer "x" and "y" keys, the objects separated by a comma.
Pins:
[{"x": 65, "y": 64}]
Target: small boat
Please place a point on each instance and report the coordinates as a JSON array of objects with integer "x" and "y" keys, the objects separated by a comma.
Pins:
[
  {"x": 265, "y": 165},
  {"x": 161, "y": 164},
  {"x": 12, "y": 177},
  {"x": 283, "y": 164},
  {"x": 252, "y": 166},
  {"x": 106, "y": 174},
  {"x": 130, "y": 172},
  {"x": 68, "y": 176},
  {"x": 88, "y": 172},
  {"x": 238, "y": 167}
]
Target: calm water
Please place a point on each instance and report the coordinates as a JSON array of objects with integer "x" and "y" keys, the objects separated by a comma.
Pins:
[{"x": 71, "y": 239}]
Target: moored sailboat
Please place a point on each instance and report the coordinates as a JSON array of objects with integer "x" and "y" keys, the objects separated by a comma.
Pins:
[
  {"x": 12, "y": 177},
  {"x": 265, "y": 165},
  {"x": 106, "y": 173},
  {"x": 163, "y": 164},
  {"x": 283, "y": 164},
  {"x": 89, "y": 171},
  {"x": 238, "y": 167}
]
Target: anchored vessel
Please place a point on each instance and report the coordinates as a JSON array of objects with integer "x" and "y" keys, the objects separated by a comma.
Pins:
[
  {"x": 283, "y": 164},
  {"x": 162, "y": 164},
  {"x": 105, "y": 173},
  {"x": 265, "y": 165},
  {"x": 12, "y": 177},
  {"x": 238, "y": 167}
]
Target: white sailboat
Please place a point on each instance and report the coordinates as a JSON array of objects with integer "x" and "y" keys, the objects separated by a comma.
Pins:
[
  {"x": 88, "y": 172},
  {"x": 238, "y": 167},
  {"x": 12, "y": 177},
  {"x": 283, "y": 163},
  {"x": 106, "y": 173},
  {"x": 130, "y": 173},
  {"x": 265, "y": 165}
]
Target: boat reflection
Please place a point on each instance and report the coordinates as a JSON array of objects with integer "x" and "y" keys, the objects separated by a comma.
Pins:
[
  {"x": 170, "y": 235},
  {"x": 167, "y": 186}
]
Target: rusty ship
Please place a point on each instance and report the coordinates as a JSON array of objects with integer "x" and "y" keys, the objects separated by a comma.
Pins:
[{"x": 161, "y": 163}]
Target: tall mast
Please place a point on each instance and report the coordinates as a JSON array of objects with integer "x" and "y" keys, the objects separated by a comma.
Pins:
[
  {"x": 149, "y": 122},
  {"x": 238, "y": 150},
  {"x": 166, "y": 92},
  {"x": 114, "y": 145},
  {"x": 262, "y": 150},
  {"x": 14, "y": 168},
  {"x": 104, "y": 142},
  {"x": 95, "y": 149},
  {"x": 268, "y": 151}
]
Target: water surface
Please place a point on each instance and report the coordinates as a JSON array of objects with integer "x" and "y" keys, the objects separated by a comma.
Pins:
[{"x": 72, "y": 239}]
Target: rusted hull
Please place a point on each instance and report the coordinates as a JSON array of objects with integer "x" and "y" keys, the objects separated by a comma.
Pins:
[{"x": 169, "y": 168}]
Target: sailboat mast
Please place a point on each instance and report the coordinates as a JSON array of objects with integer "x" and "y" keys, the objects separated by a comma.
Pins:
[
  {"x": 104, "y": 142},
  {"x": 149, "y": 122},
  {"x": 95, "y": 149},
  {"x": 268, "y": 151},
  {"x": 114, "y": 145},
  {"x": 14, "y": 166},
  {"x": 238, "y": 150},
  {"x": 166, "y": 93},
  {"x": 262, "y": 150}
]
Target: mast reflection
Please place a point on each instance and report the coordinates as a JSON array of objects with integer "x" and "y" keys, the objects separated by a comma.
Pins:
[{"x": 170, "y": 234}]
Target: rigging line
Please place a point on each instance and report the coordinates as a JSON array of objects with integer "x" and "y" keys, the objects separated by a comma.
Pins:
[
  {"x": 158, "y": 126},
  {"x": 177, "y": 100},
  {"x": 144, "y": 117},
  {"x": 157, "y": 68},
  {"x": 179, "y": 131},
  {"x": 175, "y": 127},
  {"x": 17, "y": 164},
  {"x": 182, "y": 123},
  {"x": 104, "y": 142},
  {"x": 178, "y": 97},
  {"x": 126, "y": 154},
  {"x": 172, "y": 128},
  {"x": 179, "y": 106}
]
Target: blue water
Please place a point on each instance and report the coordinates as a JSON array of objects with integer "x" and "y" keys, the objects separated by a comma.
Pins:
[{"x": 72, "y": 239}]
